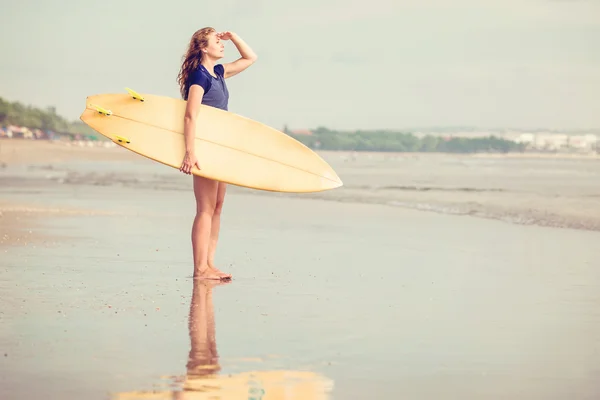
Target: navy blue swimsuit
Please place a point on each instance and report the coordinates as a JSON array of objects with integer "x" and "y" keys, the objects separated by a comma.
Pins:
[{"x": 215, "y": 89}]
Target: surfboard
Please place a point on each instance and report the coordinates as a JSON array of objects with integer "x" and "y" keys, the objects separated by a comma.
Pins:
[
  {"x": 230, "y": 148},
  {"x": 252, "y": 385}
]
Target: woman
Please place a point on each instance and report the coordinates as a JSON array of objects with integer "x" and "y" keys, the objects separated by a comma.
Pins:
[{"x": 202, "y": 81}]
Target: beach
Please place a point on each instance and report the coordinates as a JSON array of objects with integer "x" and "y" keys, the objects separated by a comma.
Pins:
[
  {"x": 431, "y": 276},
  {"x": 559, "y": 190}
]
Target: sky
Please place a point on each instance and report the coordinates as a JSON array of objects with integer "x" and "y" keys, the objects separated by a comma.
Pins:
[{"x": 351, "y": 64}]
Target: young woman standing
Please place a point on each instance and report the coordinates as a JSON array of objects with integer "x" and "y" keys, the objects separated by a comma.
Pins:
[{"x": 202, "y": 81}]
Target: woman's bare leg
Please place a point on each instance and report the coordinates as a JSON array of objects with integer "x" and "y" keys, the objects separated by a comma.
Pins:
[
  {"x": 215, "y": 227},
  {"x": 205, "y": 192}
]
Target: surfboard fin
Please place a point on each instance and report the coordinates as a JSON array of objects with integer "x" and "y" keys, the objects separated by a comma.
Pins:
[
  {"x": 135, "y": 94},
  {"x": 101, "y": 110},
  {"x": 122, "y": 139}
]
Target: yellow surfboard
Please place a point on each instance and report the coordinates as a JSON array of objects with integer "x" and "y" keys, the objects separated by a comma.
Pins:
[
  {"x": 256, "y": 385},
  {"x": 230, "y": 148}
]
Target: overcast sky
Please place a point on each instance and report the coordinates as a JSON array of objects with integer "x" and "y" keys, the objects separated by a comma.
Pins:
[{"x": 344, "y": 64}]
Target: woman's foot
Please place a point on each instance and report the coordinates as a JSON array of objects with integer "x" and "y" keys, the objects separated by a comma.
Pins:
[
  {"x": 220, "y": 273},
  {"x": 206, "y": 273},
  {"x": 208, "y": 284}
]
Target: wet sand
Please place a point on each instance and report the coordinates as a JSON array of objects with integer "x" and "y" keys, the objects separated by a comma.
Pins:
[
  {"x": 560, "y": 191},
  {"x": 17, "y": 159},
  {"x": 330, "y": 299}
]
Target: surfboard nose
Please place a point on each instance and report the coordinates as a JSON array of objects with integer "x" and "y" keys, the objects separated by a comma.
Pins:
[
  {"x": 331, "y": 180},
  {"x": 339, "y": 182}
]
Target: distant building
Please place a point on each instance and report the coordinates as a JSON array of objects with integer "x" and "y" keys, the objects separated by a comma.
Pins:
[
  {"x": 524, "y": 138},
  {"x": 583, "y": 142},
  {"x": 301, "y": 132},
  {"x": 551, "y": 142}
]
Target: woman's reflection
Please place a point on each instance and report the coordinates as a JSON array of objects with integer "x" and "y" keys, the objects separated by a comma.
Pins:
[
  {"x": 203, "y": 360},
  {"x": 203, "y": 379}
]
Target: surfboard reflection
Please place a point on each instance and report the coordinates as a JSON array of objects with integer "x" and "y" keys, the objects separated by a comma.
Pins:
[{"x": 203, "y": 379}]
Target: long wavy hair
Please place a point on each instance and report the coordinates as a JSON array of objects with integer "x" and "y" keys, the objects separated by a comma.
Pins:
[{"x": 192, "y": 58}]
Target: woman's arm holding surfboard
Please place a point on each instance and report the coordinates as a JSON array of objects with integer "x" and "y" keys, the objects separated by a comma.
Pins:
[
  {"x": 248, "y": 56},
  {"x": 189, "y": 128}
]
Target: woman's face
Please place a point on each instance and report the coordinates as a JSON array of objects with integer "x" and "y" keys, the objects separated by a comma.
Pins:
[{"x": 215, "y": 48}]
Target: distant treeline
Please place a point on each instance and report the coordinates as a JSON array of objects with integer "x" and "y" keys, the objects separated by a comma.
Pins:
[
  {"x": 384, "y": 141},
  {"x": 15, "y": 113}
]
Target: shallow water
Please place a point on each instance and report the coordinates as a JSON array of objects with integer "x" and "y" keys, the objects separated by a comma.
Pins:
[
  {"x": 329, "y": 299},
  {"x": 557, "y": 192}
]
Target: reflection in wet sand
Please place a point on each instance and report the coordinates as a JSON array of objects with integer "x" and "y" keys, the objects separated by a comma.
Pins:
[{"x": 203, "y": 381}]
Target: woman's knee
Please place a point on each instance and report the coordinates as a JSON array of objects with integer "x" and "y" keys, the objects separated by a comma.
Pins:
[
  {"x": 205, "y": 191},
  {"x": 220, "y": 198},
  {"x": 205, "y": 208},
  {"x": 218, "y": 207}
]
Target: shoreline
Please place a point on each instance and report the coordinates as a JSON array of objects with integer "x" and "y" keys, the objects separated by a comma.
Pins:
[
  {"x": 469, "y": 194},
  {"x": 26, "y": 151},
  {"x": 107, "y": 150},
  {"x": 516, "y": 217}
]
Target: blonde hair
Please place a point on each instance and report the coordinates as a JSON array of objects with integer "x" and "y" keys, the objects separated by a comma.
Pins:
[{"x": 192, "y": 58}]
